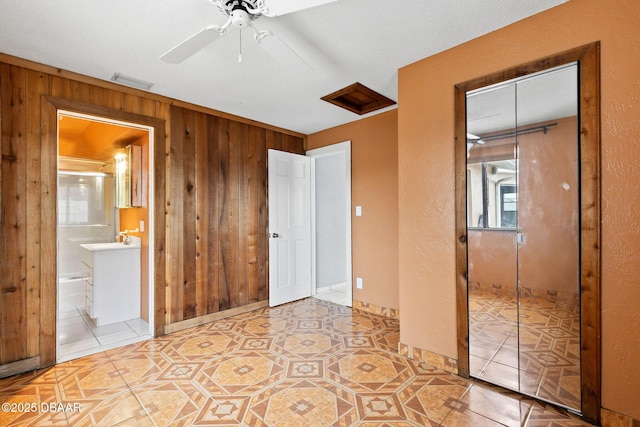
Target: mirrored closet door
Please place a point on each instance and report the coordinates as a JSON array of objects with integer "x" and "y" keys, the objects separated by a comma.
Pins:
[{"x": 523, "y": 231}]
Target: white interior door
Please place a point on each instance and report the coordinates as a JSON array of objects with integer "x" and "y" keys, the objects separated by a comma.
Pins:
[{"x": 289, "y": 227}]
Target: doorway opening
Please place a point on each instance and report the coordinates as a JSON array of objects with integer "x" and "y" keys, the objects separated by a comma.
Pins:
[
  {"x": 105, "y": 242},
  {"x": 331, "y": 223}
]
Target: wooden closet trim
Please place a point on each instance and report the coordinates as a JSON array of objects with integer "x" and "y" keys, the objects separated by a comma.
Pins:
[{"x": 588, "y": 59}]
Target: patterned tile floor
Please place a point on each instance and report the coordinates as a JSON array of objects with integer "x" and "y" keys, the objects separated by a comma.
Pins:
[
  {"x": 308, "y": 363},
  {"x": 548, "y": 363}
]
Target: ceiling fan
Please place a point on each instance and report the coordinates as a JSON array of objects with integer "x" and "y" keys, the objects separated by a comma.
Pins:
[{"x": 241, "y": 14}]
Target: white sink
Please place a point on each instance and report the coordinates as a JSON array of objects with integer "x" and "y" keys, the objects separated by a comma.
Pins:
[{"x": 108, "y": 246}]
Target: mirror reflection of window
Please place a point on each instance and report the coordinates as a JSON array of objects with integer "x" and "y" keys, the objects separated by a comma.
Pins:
[{"x": 492, "y": 194}]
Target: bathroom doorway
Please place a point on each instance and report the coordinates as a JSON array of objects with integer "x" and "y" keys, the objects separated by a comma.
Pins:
[
  {"x": 105, "y": 199},
  {"x": 331, "y": 223}
]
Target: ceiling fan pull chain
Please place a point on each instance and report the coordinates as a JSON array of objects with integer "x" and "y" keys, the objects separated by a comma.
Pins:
[{"x": 240, "y": 50}]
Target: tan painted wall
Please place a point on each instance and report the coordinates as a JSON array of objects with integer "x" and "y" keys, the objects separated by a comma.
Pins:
[
  {"x": 374, "y": 186},
  {"x": 426, "y": 169},
  {"x": 492, "y": 258},
  {"x": 548, "y": 209}
]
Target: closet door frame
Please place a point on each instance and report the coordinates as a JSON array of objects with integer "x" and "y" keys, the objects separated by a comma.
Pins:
[{"x": 588, "y": 59}]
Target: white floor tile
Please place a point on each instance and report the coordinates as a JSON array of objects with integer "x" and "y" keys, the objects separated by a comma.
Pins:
[
  {"x": 139, "y": 326},
  {"x": 117, "y": 336},
  {"x": 111, "y": 329},
  {"x": 73, "y": 333},
  {"x": 80, "y": 345}
]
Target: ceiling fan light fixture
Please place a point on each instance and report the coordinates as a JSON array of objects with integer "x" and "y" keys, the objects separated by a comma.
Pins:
[{"x": 240, "y": 14}]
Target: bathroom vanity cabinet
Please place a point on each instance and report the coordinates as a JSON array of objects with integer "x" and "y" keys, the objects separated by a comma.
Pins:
[{"x": 112, "y": 280}]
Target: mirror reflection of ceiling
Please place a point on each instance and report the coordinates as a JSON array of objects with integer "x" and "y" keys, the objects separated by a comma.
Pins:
[
  {"x": 81, "y": 138},
  {"x": 550, "y": 95}
]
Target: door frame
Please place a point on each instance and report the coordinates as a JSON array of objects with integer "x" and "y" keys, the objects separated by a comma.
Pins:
[
  {"x": 49, "y": 119},
  {"x": 328, "y": 151},
  {"x": 588, "y": 59},
  {"x": 150, "y": 200}
]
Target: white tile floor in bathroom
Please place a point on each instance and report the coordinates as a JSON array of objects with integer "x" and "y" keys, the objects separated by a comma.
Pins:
[
  {"x": 78, "y": 336},
  {"x": 334, "y": 294}
]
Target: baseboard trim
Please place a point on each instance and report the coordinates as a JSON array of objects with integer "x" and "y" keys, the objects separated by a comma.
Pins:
[
  {"x": 19, "y": 366},
  {"x": 614, "y": 419},
  {"x": 436, "y": 360},
  {"x": 392, "y": 313},
  {"x": 207, "y": 318}
]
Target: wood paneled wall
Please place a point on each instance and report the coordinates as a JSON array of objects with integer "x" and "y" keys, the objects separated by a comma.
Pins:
[
  {"x": 210, "y": 207},
  {"x": 218, "y": 199}
]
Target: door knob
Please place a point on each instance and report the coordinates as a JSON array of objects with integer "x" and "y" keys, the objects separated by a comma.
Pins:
[{"x": 274, "y": 235}]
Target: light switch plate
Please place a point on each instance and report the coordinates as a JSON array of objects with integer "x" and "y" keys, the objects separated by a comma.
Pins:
[{"x": 358, "y": 210}]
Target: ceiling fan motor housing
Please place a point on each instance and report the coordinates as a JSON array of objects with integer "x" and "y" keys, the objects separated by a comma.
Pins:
[
  {"x": 250, "y": 7},
  {"x": 240, "y": 18}
]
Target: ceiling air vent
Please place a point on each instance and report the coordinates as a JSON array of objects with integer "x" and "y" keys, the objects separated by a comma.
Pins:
[{"x": 358, "y": 99}]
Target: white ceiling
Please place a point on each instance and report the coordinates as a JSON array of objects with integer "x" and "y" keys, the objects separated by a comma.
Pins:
[{"x": 344, "y": 41}]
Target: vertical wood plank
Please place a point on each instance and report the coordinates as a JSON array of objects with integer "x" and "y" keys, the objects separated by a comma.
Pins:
[
  {"x": 234, "y": 212},
  {"x": 12, "y": 221},
  {"x": 98, "y": 96},
  {"x": 277, "y": 141},
  {"x": 60, "y": 87},
  {"x": 590, "y": 235},
  {"x": 462, "y": 300},
  {"x": 4, "y": 93},
  {"x": 225, "y": 215},
  {"x": 37, "y": 84},
  {"x": 243, "y": 214},
  {"x": 202, "y": 214},
  {"x": 148, "y": 108},
  {"x": 131, "y": 103},
  {"x": 48, "y": 232},
  {"x": 79, "y": 91},
  {"x": 161, "y": 153},
  {"x": 262, "y": 227},
  {"x": 175, "y": 218},
  {"x": 115, "y": 100},
  {"x": 213, "y": 236},
  {"x": 188, "y": 193},
  {"x": 253, "y": 211}
]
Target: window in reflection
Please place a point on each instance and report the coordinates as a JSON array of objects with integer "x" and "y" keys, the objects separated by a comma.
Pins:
[{"x": 492, "y": 194}]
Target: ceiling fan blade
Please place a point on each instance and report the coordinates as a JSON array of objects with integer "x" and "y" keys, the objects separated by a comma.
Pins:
[
  {"x": 191, "y": 45},
  {"x": 282, "y": 7},
  {"x": 282, "y": 53}
]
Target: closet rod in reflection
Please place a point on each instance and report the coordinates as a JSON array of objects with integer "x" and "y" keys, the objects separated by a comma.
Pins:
[{"x": 535, "y": 129}]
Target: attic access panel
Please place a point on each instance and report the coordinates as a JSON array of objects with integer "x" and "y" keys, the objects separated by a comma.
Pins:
[{"x": 358, "y": 99}]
